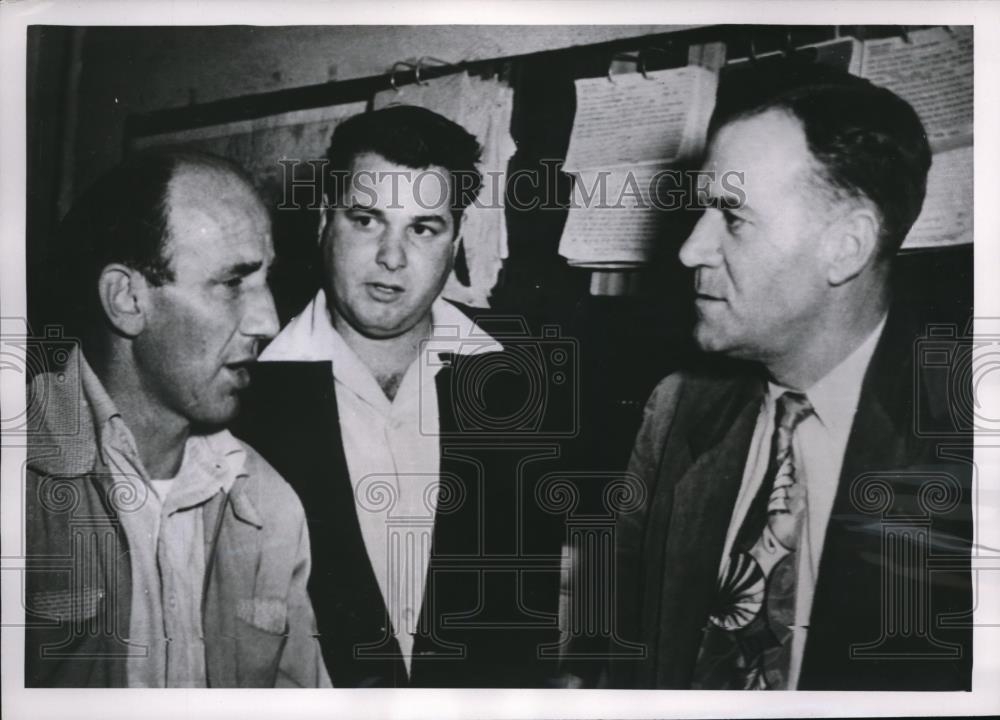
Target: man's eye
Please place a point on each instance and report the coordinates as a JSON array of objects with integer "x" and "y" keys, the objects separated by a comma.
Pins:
[
  {"x": 363, "y": 221},
  {"x": 733, "y": 221},
  {"x": 233, "y": 283}
]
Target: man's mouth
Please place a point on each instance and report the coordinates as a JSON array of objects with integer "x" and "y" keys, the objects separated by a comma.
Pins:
[
  {"x": 705, "y": 297},
  {"x": 241, "y": 371},
  {"x": 384, "y": 292}
]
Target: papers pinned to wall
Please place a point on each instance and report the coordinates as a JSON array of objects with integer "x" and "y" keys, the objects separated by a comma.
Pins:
[
  {"x": 483, "y": 107},
  {"x": 627, "y": 132},
  {"x": 933, "y": 70}
]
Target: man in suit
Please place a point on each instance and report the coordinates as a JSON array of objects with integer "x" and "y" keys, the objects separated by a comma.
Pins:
[
  {"x": 161, "y": 550},
  {"x": 387, "y": 408},
  {"x": 798, "y": 528}
]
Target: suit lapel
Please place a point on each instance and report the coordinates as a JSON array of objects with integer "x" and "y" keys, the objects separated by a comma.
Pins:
[
  {"x": 876, "y": 457},
  {"x": 709, "y": 462}
]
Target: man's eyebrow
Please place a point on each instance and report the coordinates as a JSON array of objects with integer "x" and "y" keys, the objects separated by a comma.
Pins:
[
  {"x": 732, "y": 201},
  {"x": 358, "y": 207},
  {"x": 244, "y": 268},
  {"x": 431, "y": 218}
]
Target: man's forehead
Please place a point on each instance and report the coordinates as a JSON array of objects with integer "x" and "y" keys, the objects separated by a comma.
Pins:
[
  {"x": 212, "y": 211},
  {"x": 767, "y": 151},
  {"x": 376, "y": 182}
]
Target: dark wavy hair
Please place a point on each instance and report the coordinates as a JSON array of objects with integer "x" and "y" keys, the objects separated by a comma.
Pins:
[{"x": 413, "y": 137}]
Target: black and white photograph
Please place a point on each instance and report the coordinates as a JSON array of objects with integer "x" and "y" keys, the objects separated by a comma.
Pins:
[{"x": 500, "y": 360}]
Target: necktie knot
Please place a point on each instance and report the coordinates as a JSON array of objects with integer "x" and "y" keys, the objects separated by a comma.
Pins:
[{"x": 792, "y": 408}]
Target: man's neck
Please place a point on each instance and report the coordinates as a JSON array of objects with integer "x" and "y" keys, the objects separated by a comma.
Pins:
[
  {"x": 159, "y": 436},
  {"x": 814, "y": 358},
  {"x": 388, "y": 359}
]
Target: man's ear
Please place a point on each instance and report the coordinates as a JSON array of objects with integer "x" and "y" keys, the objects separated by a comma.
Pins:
[
  {"x": 853, "y": 243},
  {"x": 124, "y": 294}
]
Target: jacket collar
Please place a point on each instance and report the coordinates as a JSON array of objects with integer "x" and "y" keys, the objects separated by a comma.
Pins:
[
  {"x": 64, "y": 442},
  {"x": 71, "y": 402}
]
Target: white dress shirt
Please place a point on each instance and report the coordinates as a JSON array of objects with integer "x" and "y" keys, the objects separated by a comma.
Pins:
[
  {"x": 392, "y": 446},
  {"x": 818, "y": 446}
]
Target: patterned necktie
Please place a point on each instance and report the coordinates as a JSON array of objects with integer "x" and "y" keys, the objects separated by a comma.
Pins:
[{"x": 747, "y": 642}]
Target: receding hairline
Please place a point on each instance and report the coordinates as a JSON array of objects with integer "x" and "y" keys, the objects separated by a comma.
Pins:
[
  {"x": 188, "y": 166},
  {"x": 812, "y": 176}
]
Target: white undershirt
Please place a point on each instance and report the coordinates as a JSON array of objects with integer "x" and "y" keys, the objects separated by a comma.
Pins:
[
  {"x": 818, "y": 446},
  {"x": 392, "y": 446}
]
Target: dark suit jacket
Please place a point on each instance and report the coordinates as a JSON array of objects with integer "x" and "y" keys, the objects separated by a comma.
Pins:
[
  {"x": 881, "y": 618},
  {"x": 491, "y": 595}
]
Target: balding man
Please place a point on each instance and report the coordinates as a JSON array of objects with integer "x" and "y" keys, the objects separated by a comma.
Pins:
[{"x": 162, "y": 551}]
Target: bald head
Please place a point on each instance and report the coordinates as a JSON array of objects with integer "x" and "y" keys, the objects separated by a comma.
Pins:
[{"x": 126, "y": 217}]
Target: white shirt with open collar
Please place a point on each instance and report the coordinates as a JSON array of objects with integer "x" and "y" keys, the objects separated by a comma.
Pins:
[{"x": 392, "y": 446}]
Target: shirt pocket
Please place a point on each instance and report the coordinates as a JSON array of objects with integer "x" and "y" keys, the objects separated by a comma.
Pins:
[
  {"x": 261, "y": 635},
  {"x": 71, "y": 605},
  {"x": 267, "y": 614}
]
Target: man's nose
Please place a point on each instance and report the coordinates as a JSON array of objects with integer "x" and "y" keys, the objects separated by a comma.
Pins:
[
  {"x": 702, "y": 246},
  {"x": 261, "y": 318},
  {"x": 392, "y": 249}
]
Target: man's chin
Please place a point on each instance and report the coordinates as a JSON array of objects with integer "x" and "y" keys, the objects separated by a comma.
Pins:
[
  {"x": 711, "y": 340},
  {"x": 217, "y": 417}
]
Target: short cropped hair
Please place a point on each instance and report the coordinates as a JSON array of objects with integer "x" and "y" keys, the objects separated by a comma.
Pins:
[
  {"x": 123, "y": 217},
  {"x": 868, "y": 143},
  {"x": 413, "y": 137}
]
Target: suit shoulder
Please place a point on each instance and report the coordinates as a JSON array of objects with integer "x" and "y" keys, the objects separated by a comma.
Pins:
[
  {"x": 697, "y": 383},
  {"x": 690, "y": 393}
]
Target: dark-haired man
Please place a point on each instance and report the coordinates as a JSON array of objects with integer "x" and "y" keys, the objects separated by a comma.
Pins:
[
  {"x": 162, "y": 551},
  {"x": 798, "y": 531},
  {"x": 421, "y": 535}
]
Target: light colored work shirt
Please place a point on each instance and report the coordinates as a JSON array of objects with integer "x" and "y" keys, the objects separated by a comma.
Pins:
[
  {"x": 166, "y": 539},
  {"x": 392, "y": 446},
  {"x": 818, "y": 445}
]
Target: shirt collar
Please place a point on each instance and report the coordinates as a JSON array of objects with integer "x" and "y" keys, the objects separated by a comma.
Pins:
[
  {"x": 311, "y": 336},
  {"x": 211, "y": 462},
  {"x": 110, "y": 428},
  {"x": 834, "y": 397}
]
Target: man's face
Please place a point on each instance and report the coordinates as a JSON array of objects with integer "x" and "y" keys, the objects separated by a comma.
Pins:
[
  {"x": 388, "y": 247},
  {"x": 204, "y": 326},
  {"x": 759, "y": 275}
]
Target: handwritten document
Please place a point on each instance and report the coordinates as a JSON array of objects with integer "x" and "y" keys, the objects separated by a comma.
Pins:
[
  {"x": 613, "y": 221},
  {"x": 627, "y": 130},
  {"x": 633, "y": 119},
  {"x": 946, "y": 218},
  {"x": 932, "y": 70}
]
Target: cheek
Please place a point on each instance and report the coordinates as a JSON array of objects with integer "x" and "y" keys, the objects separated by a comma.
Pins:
[
  {"x": 347, "y": 260},
  {"x": 194, "y": 333},
  {"x": 434, "y": 266}
]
